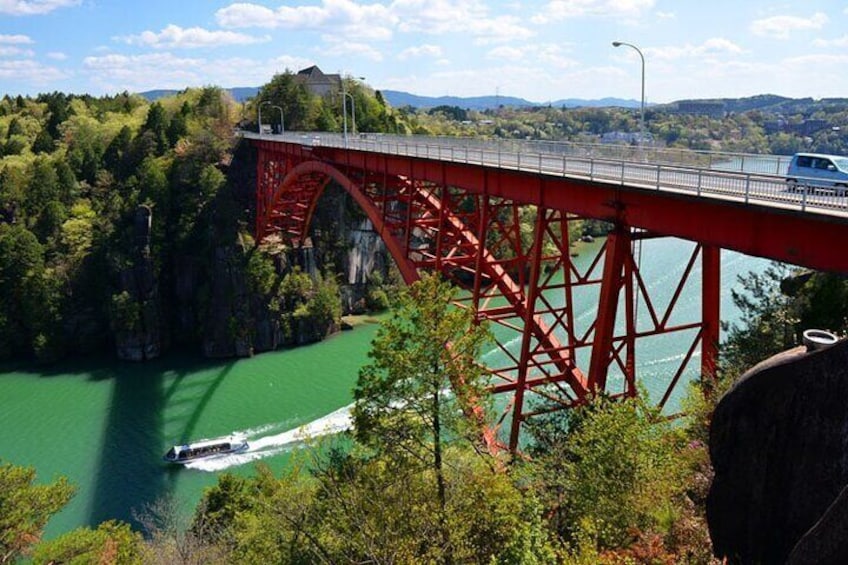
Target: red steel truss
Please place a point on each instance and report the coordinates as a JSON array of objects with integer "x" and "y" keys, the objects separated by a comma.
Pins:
[{"x": 465, "y": 222}]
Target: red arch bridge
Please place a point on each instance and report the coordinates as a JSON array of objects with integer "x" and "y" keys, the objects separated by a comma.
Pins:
[{"x": 453, "y": 205}]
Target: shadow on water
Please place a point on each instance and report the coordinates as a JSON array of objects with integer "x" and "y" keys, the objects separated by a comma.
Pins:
[{"x": 130, "y": 473}]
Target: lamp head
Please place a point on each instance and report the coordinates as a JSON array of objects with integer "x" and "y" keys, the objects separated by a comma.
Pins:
[{"x": 616, "y": 44}]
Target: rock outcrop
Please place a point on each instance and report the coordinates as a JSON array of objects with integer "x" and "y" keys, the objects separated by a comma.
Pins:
[
  {"x": 779, "y": 448},
  {"x": 138, "y": 336},
  {"x": 202, "y": 297}
]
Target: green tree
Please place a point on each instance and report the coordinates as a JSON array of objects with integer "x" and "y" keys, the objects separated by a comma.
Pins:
[
  {"x": 57, "y": 108},
  {"x": 616, "y": 471},
  {"x": 12, "y": 191},
  {"x": 291, "y": 95},
  {"x": 178, "y": 127},
  {"x": 403, "y": 404},
  {"x": 68, "y": 186},
  {"x": 767, "y": 323},
  {"x": 50, "y": 220},
  {"x": 157, "y": 124},
  {"x": 27, "y": 296},
  {"x": 25, "y": 508},
  {"x": 42, "y": 187},
  {"x": 153, "y": 184},
  {"x": 15, "y": 128},
  {"x": 111, "y": 542},
  {"x": 117, "y": 153},
  {"x": 43, "y": 143}
]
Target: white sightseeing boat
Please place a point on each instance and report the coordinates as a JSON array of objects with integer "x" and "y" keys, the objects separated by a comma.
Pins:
[{"x": 206, "y": 448}]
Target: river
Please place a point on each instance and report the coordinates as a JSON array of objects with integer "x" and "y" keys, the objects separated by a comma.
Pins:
[{"x": 105, "y": 424}]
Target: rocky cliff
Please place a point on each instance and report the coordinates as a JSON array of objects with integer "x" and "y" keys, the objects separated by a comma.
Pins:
[
  {"x": 779, "y": 448},
  {"x": 204, "y": 297},
  {"x": 138, "y": 331}
]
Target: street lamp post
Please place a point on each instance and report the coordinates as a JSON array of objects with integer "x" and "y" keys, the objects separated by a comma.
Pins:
[
  {"x": 282, "y": 120},
  {"x": 260, "y": 114},
  {"x": 345, "y": 95},
  {"x": 642, "y": 112},
  {"x": 352, "y": 112}
]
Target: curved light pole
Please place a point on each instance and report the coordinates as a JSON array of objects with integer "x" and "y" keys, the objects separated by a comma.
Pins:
[
  {"x": 260, "y": 114},
  {"x": 642, "y": 113},
  {"x": 282, "y": 120}
]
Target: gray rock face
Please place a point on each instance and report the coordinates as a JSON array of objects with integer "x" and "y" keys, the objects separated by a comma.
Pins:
[
  {"x": 827, "y": 542},
  {"x": 143, "y": 340},
  {"x": 779, "y": 448},
  {"x": 226, "y": 330}
]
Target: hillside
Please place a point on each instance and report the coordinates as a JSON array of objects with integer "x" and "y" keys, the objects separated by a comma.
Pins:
[
  {"x": 239, "y": 93},
  {"x": 399, "y": 99}
]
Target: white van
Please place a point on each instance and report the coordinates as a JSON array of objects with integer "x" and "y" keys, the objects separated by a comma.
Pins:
[{"x": 816, "y": 170}]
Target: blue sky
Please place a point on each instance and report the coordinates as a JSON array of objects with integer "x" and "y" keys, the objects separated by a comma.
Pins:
[{"x": 540, "y": 50}]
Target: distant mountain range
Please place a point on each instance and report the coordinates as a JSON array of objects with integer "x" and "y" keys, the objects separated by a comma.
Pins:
[
  {"x": 764, "y": 102},
  {"x": 397, "y": 99}
]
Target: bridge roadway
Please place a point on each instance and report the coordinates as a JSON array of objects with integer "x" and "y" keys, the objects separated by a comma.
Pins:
[{"x": 733, "y": 201}]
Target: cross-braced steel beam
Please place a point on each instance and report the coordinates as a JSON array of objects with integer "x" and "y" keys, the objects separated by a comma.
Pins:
[{"x": 523, "y": 283}]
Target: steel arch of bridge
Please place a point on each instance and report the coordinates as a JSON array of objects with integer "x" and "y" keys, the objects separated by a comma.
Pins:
[{"x": 545, "y": 358}]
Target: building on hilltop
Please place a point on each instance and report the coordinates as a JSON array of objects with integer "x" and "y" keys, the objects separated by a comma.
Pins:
[
  {"x": 712, "y": 109},
  {"x": 627, "y": 137},
  {"x": 317, "y": 82},
  {"x": 804, "y": 127}
]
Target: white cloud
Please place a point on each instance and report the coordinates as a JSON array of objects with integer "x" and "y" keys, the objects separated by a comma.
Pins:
[
  {"x": 827, "y": 62},
  {"x": 137, "y": 73},
  {"x": 291, "y": 63},
  {"x": 34, "y": 7},
  {"x": 30, "y": 71},
  {"x": 457, "y": 16},
  {"x": 16, "y": 40},
  {"x": 780, "y": 27},
  {"x": 550, "y": 55},
  {"x": 338, "y": 46},
  {"x": 378, "y": 22},
  {"x": 565, "y": 9},
  {"x": 357, "y": 21},
  {"x": 507, "y": 53},
  {"x": 839, "y": 42},
  {"x": 57, "y": 56},
  {"x": 143, "y": 72},
  {"x": 176, "y": 37},
  {"x": 710, "y": 47},
  {"x": 6, "y": 51},
  {"x": 420, "y": 51},
  {"x": 498, "y": 30},
  {"x": 666, "y": 15},
  {"x": 437, "y": 16}
]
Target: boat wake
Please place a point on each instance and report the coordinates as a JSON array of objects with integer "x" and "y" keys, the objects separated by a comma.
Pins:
[{"x": 261, "y": 447}]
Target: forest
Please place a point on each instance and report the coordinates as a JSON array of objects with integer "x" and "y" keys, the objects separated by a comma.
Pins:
[{"x": 115, "y": 214}]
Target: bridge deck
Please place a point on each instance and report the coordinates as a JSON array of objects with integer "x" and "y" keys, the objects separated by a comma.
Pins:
[{"x": 753, "y": 213}]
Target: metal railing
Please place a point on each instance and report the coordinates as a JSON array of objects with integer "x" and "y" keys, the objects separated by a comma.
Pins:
[{"x": 748, "y": 178}]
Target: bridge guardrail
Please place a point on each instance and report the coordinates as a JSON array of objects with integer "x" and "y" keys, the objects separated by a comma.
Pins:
[{"x": 735, "y": 176}]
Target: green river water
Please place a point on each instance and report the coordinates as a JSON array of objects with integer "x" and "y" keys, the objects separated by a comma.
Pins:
[{"x": 105, "y": 424}]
